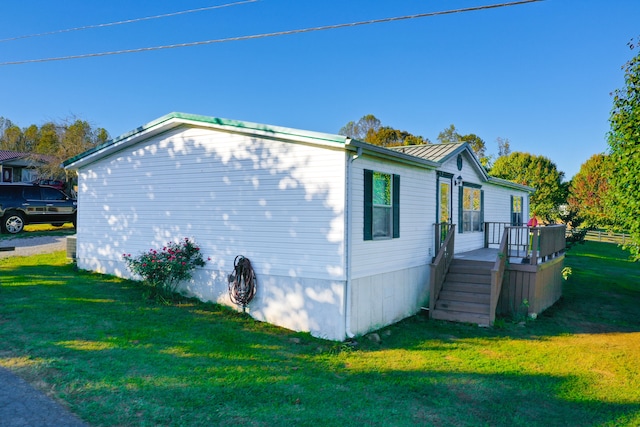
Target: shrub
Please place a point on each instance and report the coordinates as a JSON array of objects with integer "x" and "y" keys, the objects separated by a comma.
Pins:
[{"x": 163, "y": 270}]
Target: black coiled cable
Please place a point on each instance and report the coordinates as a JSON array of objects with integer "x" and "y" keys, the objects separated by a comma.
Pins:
[{"x": 242, "y": 282}]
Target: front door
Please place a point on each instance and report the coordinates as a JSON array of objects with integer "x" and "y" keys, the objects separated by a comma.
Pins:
[
  {"x": 443, "y": 213},
  {"x": 444, "y": 200}
]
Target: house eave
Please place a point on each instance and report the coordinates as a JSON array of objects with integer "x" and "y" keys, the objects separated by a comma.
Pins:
[
  {"x": 385, "y": 153},
  {"x": 173, "y": 120},
  {"x": 509, "y": 184}
]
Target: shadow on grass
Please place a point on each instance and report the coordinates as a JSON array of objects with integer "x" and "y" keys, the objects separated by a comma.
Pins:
[{"x": 120, "y": 360}]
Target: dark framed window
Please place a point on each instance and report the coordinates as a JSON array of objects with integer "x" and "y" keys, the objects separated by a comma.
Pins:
[
  {"x": 470, "y": 208},
  {"x": 516, "y": 210},
  {"x": 381, "y": 205}
]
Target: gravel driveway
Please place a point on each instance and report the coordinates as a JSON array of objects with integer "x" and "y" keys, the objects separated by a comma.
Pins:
[{"x": 25, "y": 246}]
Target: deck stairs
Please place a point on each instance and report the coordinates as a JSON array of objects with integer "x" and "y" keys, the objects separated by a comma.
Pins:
[{"x": 466, "y": 293}]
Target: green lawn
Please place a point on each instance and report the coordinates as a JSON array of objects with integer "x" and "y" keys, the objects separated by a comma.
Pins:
[
  {"x": 117, "y": 360},
  {"x": 37, "y": 230}
]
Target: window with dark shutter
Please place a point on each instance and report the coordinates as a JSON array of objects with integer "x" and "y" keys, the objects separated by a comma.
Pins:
[{"x": 381, "y": 205}]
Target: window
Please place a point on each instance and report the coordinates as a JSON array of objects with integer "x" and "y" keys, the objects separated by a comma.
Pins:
[
  {"x": 516, "y": 210},
  {"x": 52, "y": 194},
  {"x": 32, "y": 193},
  {"x": 471, "y": 208},
  {"x": 381, "y": 205}
]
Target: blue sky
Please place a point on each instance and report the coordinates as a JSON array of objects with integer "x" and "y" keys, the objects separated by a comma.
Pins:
[{"x": 539, "y": 74}]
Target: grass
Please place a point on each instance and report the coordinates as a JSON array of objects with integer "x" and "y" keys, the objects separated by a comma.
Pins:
[
  {"x": 115, "y": 359},
  {"x": 37, "y": 230}
]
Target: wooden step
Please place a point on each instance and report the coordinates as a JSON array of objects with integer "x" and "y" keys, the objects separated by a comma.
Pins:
[
  {"x": 475, "y": 297},
  {"x": 469, "y": 278},
  {"x": 472, "y": 263},
  {"x": 456, "y": 316},
  {"x": 468, "y": 269},
  {"x": 465, "y": 295},
  {"x": 462, "y": 306},
  {"x": 479, "y": 288}
]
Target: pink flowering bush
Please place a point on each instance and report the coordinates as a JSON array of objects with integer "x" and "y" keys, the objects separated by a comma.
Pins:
[{"x": 163, "y": 270}]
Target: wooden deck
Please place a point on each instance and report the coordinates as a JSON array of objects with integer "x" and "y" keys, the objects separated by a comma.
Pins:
[{"x": 525, "y": 285}]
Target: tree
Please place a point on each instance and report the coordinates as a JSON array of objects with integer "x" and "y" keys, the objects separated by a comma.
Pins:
[
  {"x": 10, "y": 136},
  {"x": 478, "y": 146},
  {"x": 588, "y": 191},
  {"x": 367, "y": 124},
  {"x": 451, "y": 135},
  {"x": 624, "y": 155},
  {"x": 538, "y": 172},
  {"x": 369, "y": 129},
  {"x": 58, "y": 141},
  {"x": 504, "y": 146},
  {"x": 61, "y": 141}
]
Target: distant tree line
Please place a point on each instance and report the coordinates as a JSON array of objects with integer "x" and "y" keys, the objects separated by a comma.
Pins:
[{"x": 58, "y": 141}]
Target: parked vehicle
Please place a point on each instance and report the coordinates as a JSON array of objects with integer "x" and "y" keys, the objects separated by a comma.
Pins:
[
  {"x": 55, "y": 183},
  {"x": 23, "y": 204}
]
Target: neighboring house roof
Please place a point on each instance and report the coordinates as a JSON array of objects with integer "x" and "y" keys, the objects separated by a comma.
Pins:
[
  {"x": 11, "y": 155},
  {"x": 7, "y": 156}
]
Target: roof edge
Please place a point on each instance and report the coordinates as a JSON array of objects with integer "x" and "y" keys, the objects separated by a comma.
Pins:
[
  {"x": 213, "y": 122},
  {"x": 510, "y": 184}
]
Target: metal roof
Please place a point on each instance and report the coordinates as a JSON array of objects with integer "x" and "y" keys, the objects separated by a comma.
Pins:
[{"x": 434, "y": 152}]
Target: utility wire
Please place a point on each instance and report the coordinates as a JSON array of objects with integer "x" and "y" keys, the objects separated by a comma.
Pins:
[
  {"x": 127, "y": 21},
  {"x": 264, "y": 35}
]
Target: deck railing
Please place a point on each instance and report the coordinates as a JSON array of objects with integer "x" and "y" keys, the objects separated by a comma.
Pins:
[
  {"x": 440, "y": 266},
  {"x": 440, "y": 232},
  {"x": 547, "y": 242},
  {"x": 497, "y": 275},
  {"x": 537, "y": 244}
]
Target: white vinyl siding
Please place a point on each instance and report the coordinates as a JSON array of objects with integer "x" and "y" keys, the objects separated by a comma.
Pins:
[
  {"x": 497, "y": 203},
  {"x": 277, "y": 203},
  {"x": 417, "y": 214}
]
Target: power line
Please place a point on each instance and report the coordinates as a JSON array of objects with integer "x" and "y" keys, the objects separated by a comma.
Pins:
[
  {"x": 127, "y": 21},
  {"x": 265, "y": 35}
]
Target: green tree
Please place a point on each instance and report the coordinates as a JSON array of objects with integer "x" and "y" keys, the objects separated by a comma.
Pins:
[
  {"x": 61, "y": 141},
  {"x": 588, "y": 191},
  {"x": 451, "y": 135},
  {"x": 31, "y": 136},
  {"x": 478, "y": 146},
  {"x": 48, "y": 139},
  {"x": 58, "y": 141},
  {"x": 360, "y": 129},
  {"x": 624, "y": 154},
  {"x": 369, "y": 129},
  {"x": 538, "y": 172}
]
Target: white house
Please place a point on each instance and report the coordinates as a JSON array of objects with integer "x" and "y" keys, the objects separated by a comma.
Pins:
[{"x": 340, "y": 232}]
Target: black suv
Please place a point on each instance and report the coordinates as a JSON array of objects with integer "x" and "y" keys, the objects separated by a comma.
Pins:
[{"x": 22, "y": 204}]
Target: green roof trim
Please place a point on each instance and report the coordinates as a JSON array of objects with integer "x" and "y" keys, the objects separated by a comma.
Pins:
[{"x": 241, "y": 127}]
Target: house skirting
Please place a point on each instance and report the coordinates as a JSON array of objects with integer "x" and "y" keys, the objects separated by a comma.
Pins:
[
  {"x": 382, "y": 299},
  {"x": 531, "y": 289}
]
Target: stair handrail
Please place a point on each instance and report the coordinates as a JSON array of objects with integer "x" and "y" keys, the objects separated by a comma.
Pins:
[
  {"x": 440, "y": 267},
  {"x": 497, "y": 275}
]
